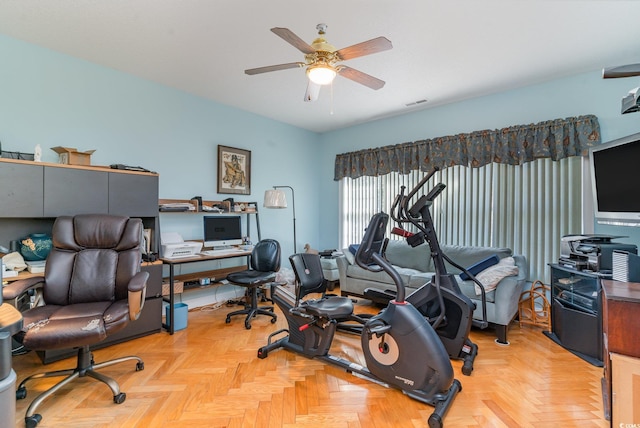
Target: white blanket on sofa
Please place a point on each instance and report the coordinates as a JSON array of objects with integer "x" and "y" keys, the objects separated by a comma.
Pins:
[{"x": 491, "y": 276}]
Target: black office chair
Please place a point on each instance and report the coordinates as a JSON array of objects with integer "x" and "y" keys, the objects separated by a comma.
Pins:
[
  {"x": 92, "y": 288},
  {"x": 265, "y": 262}
]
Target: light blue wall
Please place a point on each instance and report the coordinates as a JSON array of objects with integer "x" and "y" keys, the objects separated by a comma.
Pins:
[
  {"x": 578, "y": 95},
  {"x": 53, "y": 100}
]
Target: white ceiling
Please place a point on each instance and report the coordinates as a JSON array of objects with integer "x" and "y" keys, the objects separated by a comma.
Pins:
[{"x": 443, "y": 50}]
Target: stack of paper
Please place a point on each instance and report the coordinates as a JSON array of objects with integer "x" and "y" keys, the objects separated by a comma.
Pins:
[{"x": 36, "y": 267}]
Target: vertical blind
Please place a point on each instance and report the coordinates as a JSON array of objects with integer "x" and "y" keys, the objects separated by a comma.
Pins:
[{"x": 527, "y": 208}]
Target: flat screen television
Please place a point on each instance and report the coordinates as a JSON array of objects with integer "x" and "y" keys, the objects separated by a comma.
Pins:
[
  {"x": 615, "y": 180},
  {"x": 222, "y": 231}
]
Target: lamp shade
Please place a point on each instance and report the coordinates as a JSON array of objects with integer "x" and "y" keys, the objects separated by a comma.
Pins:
[
  {"x": 321, "y": 74},
  {"x": 275, "y": 199}
]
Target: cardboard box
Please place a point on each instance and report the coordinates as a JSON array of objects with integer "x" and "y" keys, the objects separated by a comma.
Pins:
[
  {"x": 71, "y": 156},
  {"x": 178, "y": 287}
]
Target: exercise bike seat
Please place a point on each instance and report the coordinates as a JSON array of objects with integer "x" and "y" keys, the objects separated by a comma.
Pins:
[{"x": 331, "y": 307}]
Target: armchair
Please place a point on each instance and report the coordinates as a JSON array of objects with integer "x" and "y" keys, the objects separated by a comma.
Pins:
[{"x": 92, "y": 288}]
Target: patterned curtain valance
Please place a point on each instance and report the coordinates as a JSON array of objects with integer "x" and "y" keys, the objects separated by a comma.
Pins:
[{"x": 515, "y": 145}]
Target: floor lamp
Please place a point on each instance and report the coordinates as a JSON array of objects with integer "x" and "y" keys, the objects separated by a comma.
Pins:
[{"x": 277, "y": 199}]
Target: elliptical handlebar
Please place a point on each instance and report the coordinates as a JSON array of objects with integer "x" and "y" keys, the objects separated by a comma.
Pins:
[{"x": 421, "y": 184}]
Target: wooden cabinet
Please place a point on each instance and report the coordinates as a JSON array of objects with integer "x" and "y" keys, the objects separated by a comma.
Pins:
[
  {"x": 33, "y": 194},
  {"x": 621, "y": 338},
  {"x": 140, "y": 201},
  {"x": 75, "y": 191},
  {"x": 625, "y": 390},
  {"x": 21, "y": 190}
]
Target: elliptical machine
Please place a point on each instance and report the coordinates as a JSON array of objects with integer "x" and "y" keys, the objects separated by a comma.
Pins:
[
  {"x": 400, "y": 347},
  {"x": 440, "y": 300}
]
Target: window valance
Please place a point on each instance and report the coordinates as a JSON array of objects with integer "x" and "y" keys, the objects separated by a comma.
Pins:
[{"x": 515, "y": 145}]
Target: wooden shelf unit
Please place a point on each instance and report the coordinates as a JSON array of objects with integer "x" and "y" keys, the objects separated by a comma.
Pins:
[
  {"x": 211, "y": 204},
  {"x": 173, "y": 280}
]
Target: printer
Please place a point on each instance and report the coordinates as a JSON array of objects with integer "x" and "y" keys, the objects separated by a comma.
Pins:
[
  {"x": 591, "y": 252},
  {"x": 173, "y": 246}
]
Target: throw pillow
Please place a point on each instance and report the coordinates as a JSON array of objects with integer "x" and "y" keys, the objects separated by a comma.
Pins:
[
  {"x": 491, "y": 276},
  {"x": 480, "y": 266},
  {"x": 350, "y": 254}
]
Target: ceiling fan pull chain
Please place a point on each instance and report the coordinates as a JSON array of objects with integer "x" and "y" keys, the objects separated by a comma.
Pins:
[{"x": 331, "y": 92}]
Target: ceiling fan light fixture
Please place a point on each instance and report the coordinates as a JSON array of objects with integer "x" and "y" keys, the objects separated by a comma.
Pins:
[{"x": 321, "y": 74}]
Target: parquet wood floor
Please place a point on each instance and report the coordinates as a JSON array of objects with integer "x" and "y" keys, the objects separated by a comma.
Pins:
[{"x": 209, "y": 375}]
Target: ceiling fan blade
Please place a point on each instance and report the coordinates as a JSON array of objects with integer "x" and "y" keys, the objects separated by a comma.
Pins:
[
  {"x": 360, "y": 77},
  {"x": 628, "y": 70},
  {"x": 269, "y": 68},
  {"x": 369, "y": 47},
  {"x": 313, "y": 90},
  {"x": 289, "y": 37}
]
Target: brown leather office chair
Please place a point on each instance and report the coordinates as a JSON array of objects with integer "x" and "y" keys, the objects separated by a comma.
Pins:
[
  {"x": 92, "y": 288},
  {"x": 265, "y": 262}
]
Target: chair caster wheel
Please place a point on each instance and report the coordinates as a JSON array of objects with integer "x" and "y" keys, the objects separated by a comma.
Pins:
[
  {"x": 119, "y": 398},
  {"x": 21, "y": 393},
  {"x": 139, "y": 366},
  {"x": 32, "y": 421},
  {"x": 247, "y": 326},
  {"x": 228, "y": 320},
  {"x": 273, "y": 320}
]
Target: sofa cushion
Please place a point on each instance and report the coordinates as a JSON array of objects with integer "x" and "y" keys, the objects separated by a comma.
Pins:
[
  {"x": 468, "y": 256},
  {"x": 468, "y": 288},
  {"x": 399, "y": 253},
  {"x": 355, "y": 271}
]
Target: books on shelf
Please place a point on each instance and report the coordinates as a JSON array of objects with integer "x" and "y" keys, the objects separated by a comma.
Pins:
[
  {"x": 36, "y": 267},
  {"x": 177, "y": 206},
  {"x": 9, "y": 273}
]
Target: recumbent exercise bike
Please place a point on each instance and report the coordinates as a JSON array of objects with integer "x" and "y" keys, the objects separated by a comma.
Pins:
[{"x": 400, "y": 347}]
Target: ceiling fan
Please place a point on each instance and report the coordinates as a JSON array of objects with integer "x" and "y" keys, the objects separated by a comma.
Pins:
[
  {"x": 629, "y": 70},
  {"x": 321, "y": 60},
  {"x": 631, "y": 101}
]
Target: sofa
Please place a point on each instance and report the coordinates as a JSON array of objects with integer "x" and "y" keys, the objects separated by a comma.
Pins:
[{"x": 416, "y": 268}]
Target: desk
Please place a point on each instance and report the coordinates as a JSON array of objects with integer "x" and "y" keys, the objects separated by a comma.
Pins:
[{"x": 197, "y": 258}]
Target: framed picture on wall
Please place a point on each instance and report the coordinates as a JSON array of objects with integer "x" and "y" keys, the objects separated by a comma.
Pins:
[{"x": 234, "y": 170}]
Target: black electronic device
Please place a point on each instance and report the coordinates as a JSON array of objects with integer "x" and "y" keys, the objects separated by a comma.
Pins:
[
  {"x": 222, "y": 231},
  {"x": 614, "y": 178},
  {"x": 129, "y": 167},
  {"x": 591, "y": 252},
  {"x": 199, "y": 199}
]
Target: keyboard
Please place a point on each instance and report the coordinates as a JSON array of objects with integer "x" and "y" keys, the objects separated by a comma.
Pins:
[{"x": 222, "y": 252}]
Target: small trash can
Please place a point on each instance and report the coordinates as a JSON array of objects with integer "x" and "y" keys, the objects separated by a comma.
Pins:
[{"x": 181, "y": 313}]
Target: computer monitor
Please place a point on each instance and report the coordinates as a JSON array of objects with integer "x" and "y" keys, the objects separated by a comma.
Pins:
[{"x": 222, "y": 231}]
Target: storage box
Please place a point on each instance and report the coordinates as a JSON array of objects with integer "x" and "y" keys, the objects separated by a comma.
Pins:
[
  {"x": 71, "y": 156},
  {"x": 178, "y": 287},
  {"x": 181, "y": 313}
]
